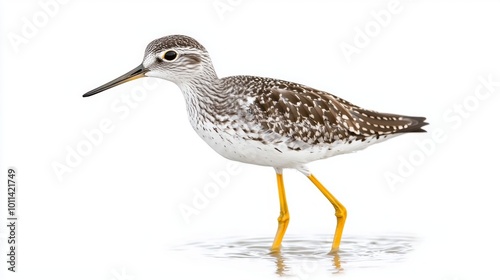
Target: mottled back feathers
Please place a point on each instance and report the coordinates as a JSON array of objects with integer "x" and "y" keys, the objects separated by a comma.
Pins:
[{"x": 301, "y": 113}]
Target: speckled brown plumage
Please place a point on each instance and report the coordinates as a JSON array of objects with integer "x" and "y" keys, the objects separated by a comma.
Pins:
[{"x": 263, "y": 120}]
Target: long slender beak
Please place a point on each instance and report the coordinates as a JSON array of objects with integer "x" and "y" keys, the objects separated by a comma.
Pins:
[{"x": 137, "y": 72}]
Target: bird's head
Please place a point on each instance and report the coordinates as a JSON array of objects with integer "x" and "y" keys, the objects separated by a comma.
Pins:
[{"x": 176, "y": 58}]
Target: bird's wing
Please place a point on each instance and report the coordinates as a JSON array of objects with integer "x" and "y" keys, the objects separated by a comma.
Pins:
[
  {"x": 313, "y": 116},
  {"x": 304, "y": 114}
]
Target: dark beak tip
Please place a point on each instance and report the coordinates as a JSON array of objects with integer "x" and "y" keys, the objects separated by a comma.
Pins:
[
  {"x": 86, "y": 95},
  {"x": 92, "y": 92}
]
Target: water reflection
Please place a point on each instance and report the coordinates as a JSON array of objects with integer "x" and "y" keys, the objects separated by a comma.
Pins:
[
  {"x": 307, "y": 264},
  {"x": 308, "y": 254}
]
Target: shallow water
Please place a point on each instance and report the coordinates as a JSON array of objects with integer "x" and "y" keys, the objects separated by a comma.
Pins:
[{"x": 308, "y": 253}]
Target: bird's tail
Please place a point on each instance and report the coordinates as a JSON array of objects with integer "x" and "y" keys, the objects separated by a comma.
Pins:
[{"x": 384, "y": 123}]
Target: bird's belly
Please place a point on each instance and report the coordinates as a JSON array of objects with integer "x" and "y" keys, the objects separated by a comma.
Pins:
[{"x": 239, "y": 148}]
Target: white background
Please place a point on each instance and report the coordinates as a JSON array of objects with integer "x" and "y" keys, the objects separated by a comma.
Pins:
[{"x": 118, "y": 208}]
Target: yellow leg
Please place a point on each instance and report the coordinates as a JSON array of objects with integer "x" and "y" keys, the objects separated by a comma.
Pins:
[
  {"x": 284, "y": 216},
  {"x": 340, "y": 212}
]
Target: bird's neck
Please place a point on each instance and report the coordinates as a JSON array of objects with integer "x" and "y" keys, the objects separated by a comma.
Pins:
[{"x": 202, "y": 95}]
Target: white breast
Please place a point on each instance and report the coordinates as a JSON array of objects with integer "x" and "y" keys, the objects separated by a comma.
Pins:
[{"x": 235, "y": 147}]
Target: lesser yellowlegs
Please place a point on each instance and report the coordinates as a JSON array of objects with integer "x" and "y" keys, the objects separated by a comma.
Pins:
[{"x": 266, "y": 121}]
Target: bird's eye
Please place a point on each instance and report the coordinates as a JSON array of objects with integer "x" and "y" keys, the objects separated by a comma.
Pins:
[{"x": 170, "y": 55}]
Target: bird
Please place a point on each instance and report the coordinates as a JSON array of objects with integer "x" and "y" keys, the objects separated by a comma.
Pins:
[{"x": 266, "y": 121}]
